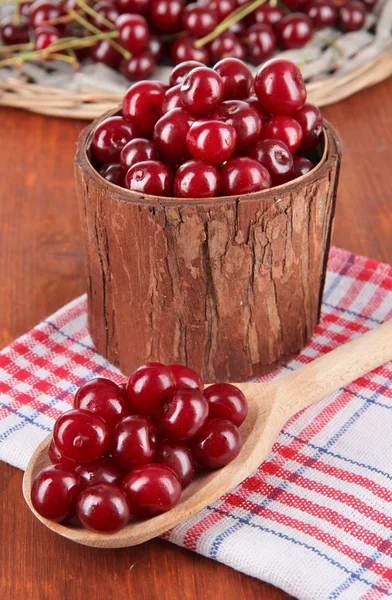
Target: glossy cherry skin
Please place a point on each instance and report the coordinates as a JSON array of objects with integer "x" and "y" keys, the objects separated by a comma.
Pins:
[
  {"x": 226, "y": 401},
  {"x": 81, "y": 435},
  {"x": 186, "y": 377},
  {"x": 14, "y": 34},
  {"x": 244, "y": 118},
  {"x": 183, "y": 50},
  {"x": 137, "y": 150},
  {"x": 199, "y": 20},
  {"x": 237, "y": 78},
  {"x": 294, "y": 30},
  {"x": 170, "y": 135},
  {"x": 113, "y": 173},
  {"x": 227, "y": 44},
  {"x": 217, "y": 444},
  {"x": 134, "y": 441},
  {"x": 261, "y": 43},
  {"x": 275, "y": 157},
  {"x": 263, "y": 113},
  {"x": 139, "y": 66},
  {"x": 221, "y": 7},
  {"x": 54, "y": 493},
  {"x": 302, "y": 166},
  {"x": 150, "y": 177},
  {"x": 57, "y": 458},
  {"x": 311, "y": 122},
  {"x": 103, "y": 470},
  {"x": 196, "y": 179},
  {"x": 266, "y": 15},
  {"x": 104, "y": 53},
  {"x": 243, "y": 175},
  {"x": 184, "y": 414},
  {"x": 285, "y": 129},
  {"x": 45, "y": 36},
  {"x": 104, "y": 398},
  {"x": 42, "y": 11},
  {"x": 109, "y": 137},
  {"x": 322, "y": 13},
  {"x": 352, "y": 16},
  {"x": 156, "y": 47},
  {"x": 142, "y": 105},
  {"x": 103, "y": 507},
  {"x": 149, "y": 387},
  {"x": 279, "y": 87},
  {"x": 151, "y": 489},
  {"x": 178, "y": 458},
  {"x": 211, "y": 141},
  {"x": 172, "y": 99},
  {"x": 108, "y": 11},
  {"x": 133, "y": 6},
  {"x": 180, "y": 71},
  {"x": 165, "y": 15},
  {"x": 133, "y": 33},
  {"x": 202, "y": 90}
]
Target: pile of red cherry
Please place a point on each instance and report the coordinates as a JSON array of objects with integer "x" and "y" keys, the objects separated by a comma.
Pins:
[
  {"x": 212, "y": 132},
  {"x": 152, "y": 30},
  {"x": 126, "y": 452}
]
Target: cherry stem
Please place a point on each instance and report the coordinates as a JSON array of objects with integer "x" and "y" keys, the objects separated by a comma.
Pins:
[
  {"x": 237, "y": 15},
  {"x": 90, "y": 27},
  {"x": 17, "y": 13},
  {"x": 57, "y": 21},
  {"x": 93, "y": 13},
  {"x": 16, "y": 47}
]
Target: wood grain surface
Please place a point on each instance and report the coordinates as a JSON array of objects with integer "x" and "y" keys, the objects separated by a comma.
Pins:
[{"x": 41, "y": 268}]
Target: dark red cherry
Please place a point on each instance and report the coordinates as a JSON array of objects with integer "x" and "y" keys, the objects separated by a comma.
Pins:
[
  {"x": 133, "y": 33},
  {"x": 226, "y": 401},
  {"x": 139, "y": 66},
  {"x": 133, "y": 6},
  {"x": 108, "y": 11},
  {"x": 142, "y": 105},
  {"x": 156, "y": 47},
  {"x": 165, "y": 15},
  {"x": 178, "y": 458},
  {"x": 202, "y": 90},
  {"x": 211, "y": 141},
  {"x": 172, "y": 99},
  {"x": 183, "y": 50},
  {"x": 279, "y": 87},
  {"x": 217, "y": 444},
  {"x": 294, "y": 5},
  {"x": 275, "y": 157},
  {"x": 196, "y": 179},
  {"x": 104, "y": 398},
  {"x": 149, "y": 387},
  {"x": 180, "y": 71},
  {"x": 322, "y": 13},
  {"x": 294, "y": 31},
  {"x": 311, "y": 122},
  {"x": 81, "y": 435},
  {"x": 134, "y": 441},
  {"x": 186, "y": 377},
  {"x": 239, "y": 29},
  {"x": 244, "y": 118},
  {"x": 266, "y": 15},
  {"x": 369, "y": 4},
  {"x": 57, "y": 458},
  {"x": 42, "y": 11},
  {"x": 261, "y": 43},
  {"x": 170, "y": 135},
  {"x": 24, "y": 8},
  {"x": 45, "y": 36},
  {"x": 237, "y": 78},
  {"x": 285, "y": 129},
  {"x": 54, "y": 493},
  {"x": 109, "y": 137},
  {"x": 352, "y": 16},
  {"x": 227, "y": 44},
  {"x": 104, "y": 53},
  {"x": 113, "y": 173},
  {"x": 263, "y": 113},
  {"x": 302, "y": 166},
  {"x": 151, "y": 489},
  {"x": 221, "y": 7},
  {"x": 137, "y": 150},
  {"x": 103, "y": 507},
  {"x": 12, "y": 33},
  {"x": 243, "y": 175},
  {"x": 199, "y": 20},
  {"x": 103, "y": 470},
  {"x": 150, "y": 177},
  {"x": 184, "y": 414}
]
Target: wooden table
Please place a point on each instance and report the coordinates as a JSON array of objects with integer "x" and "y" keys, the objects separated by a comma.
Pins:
[{"x": 41, "y": 266}]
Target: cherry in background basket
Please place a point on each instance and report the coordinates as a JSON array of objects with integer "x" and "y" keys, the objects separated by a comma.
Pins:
[
  {"x": 212, "y": 132},
  {"x": 126, "y": 452}
]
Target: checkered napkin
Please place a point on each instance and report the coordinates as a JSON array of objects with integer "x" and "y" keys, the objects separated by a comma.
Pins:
[{"x": 316, "y": 518}]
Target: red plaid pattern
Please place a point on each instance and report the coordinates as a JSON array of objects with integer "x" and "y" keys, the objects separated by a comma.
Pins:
[{"x": 315, "y": 519}]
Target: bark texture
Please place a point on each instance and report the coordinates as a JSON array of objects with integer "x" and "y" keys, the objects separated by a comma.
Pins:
[{"x": 230, "y": 287}]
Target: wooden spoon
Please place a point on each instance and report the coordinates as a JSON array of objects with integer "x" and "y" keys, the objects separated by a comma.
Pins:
[{"x": 271, "y": 405}]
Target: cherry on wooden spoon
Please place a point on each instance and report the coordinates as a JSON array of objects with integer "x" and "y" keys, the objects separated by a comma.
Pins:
[{"x": 271, "y": 405}]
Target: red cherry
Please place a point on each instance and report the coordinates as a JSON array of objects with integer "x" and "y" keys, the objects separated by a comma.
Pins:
[
  {"x": 227, "y": 44},
  {"x": 133, "y": 6},
  {"x": 352, "y": 16},
  {"x": 134, "y": 441},
  {"x": 152, "y": 489},
  {"x": 179, "y": 459},
  {"x": 199, "y": 20},
  {"x": 103, "y": 507},
  {"x": 142, "y": 105},
  {"x": 255, "y": 102},
  {"x": 237, "y": 78},
  {"x": 266, "y": 15},
  {"x": 294, "y": 5},
  {"x": 279, "y": 87},
  {"x": 218, "y": 443},
  {"x": 108, "y": 11},
  {"x": 172, "y": 99},
  {"x": 12, "y": 33},
  {"x": 239, "y": 29},
  {"x": 138, "y": 67},
  {"x": 202, "y": 90},
  {"x": 183, "y": 50},
  {"x": 295, "y": 30},
  {"x": 54, "y": 493},
  {"x": 184, "y": 414},
  {"x": 226, "y": 401},
  {"x": 275, "y": 157},
  {"x": 301, "y": 166},
  {"x": 211, "y": 141},
  {"x": 243, "y": 175},
  {"x": 104, "y": 53},
  {"x": 42, "y": 11},
  {"x": 149, "y": 387},
  {"x": 165, "y": 15},
  {"x": 285, "y": 129},
  {"x": 221, "y": 7},
  {"x": 311, "y": 122},
  {"x": 109, "y": 137},
  {"x": 322, "y": 13},
  {"x": 196, "y": 179},
  {"x": 45, "y": 36},
  {"x": 103, "y": 470},
  {"x": 150, "y": 177},
  {"x": 369, "y": 4},
  {"x": 261, "y": 43},
  {"x": 137, "y": 150},
  {"x": 113, "y": 173},
  {"x": 156, "y": 47},
  {"x": 244, "y": 118},
  {"x": 186, "y": 377},
  {"x": 170, "y": 135},
  {"x": 180, "y": 71},
  {"x": 57, "y": 458},
  {"x": 133, "y": 32},
  {"x": 104, "y": 398},
  {"x": 81, "y": 435}
]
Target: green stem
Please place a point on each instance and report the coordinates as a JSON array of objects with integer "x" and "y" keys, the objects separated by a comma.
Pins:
[
  {"x": 15, "y": 48},
  {"x": 93, "y": 13},
  {"x": 90, "y": 27}
]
